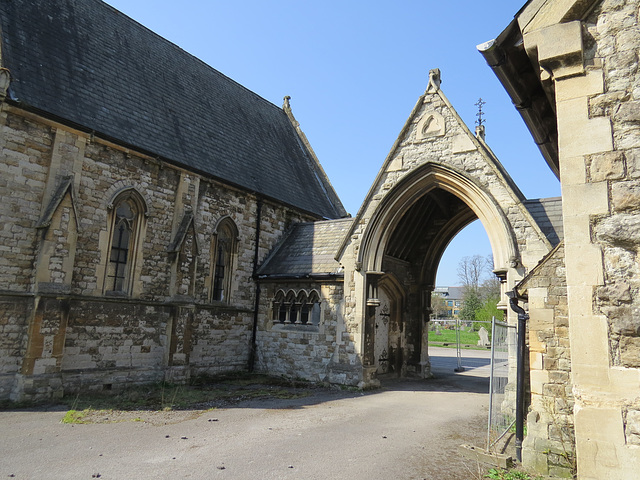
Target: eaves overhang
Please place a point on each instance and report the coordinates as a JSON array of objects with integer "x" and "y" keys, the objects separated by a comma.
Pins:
[
  {"x": 336, "y": 277},
  {"x": 507, "y": 57}
]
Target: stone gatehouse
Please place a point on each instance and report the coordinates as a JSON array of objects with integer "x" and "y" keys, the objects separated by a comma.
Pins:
[{"x": 160, "y": 221}]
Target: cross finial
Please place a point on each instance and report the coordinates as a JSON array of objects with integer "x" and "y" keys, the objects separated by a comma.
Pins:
[{"x": 480, "y": 103}]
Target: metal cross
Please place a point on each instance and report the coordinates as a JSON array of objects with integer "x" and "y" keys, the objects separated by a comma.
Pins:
[{"x": 480, "y": 121}]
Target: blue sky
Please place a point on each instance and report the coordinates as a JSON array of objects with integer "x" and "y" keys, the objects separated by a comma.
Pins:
[{"x": 354, "y": 71}]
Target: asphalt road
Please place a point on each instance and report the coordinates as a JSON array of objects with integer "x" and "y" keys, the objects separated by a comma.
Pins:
[{"x": 408, "y": 429}]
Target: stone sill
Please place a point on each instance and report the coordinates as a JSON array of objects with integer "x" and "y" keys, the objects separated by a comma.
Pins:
[{"x": 296, "y": 328}]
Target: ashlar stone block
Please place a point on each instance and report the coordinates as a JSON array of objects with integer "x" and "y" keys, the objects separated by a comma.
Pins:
[
  {"x": 573, "y": 121},
  {"x": 584, "y": 265},
  {"x": 632, "y": 427},
  {"x": 599, "y": 435},
  {"x": 592, "y": 83},
  {"x": 590, "y": 351},
  {"x": 606, "y": 166},
  {"x": 559, "y": 48},
  {"x": 626, "y": 195}
]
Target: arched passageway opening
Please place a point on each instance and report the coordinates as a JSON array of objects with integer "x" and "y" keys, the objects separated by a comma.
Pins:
[{"x": 405, "y": 242}]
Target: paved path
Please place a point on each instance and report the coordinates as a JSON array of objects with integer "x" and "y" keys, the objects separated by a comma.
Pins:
[
  {"x": 409, "y": 429},
  {"x": 476, "y": 363}
]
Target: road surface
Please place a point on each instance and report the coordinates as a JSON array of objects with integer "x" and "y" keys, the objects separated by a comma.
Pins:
[{"x": 408, "y": 429}]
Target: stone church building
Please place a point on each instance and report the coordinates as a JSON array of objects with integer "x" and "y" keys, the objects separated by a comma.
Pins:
[{"x": 161, "y": 222}]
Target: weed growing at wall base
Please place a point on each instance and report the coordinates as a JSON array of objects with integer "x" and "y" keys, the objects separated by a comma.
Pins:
[{"x": 501, "y": 474}]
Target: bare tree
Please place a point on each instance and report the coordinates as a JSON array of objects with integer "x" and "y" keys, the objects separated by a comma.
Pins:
[
  {"x": 479, "y": 283},
  {"x": 471, "y": 271},
  {"x": 490, "y": 288}
]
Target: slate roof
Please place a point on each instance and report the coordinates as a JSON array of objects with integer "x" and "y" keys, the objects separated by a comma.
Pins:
[
  {"x": 85, "y": 63},
  {"x": 308, "y": 250},
  {"x": 451, "y": 293},
  {"x": 547, "y": 212}
]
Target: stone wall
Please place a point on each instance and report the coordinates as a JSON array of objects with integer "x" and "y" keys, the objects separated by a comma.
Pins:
[
  {"x": 318, "y": 353},
  {"x": 592, "y": 64},
  {"x": 549, "y": 447},
  {"x": 616, "y": 40},
  {"x": 61, "y": 328},
  {"x": 13, "y": 334}
]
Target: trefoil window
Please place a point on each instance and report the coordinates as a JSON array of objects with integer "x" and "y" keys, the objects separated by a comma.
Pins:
[{"x": 302, "y": 308}]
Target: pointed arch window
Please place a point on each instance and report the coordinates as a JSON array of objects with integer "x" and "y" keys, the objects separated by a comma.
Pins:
[
  {"x": 126, "y": 226},
  {"x": 223, "y": 255}
]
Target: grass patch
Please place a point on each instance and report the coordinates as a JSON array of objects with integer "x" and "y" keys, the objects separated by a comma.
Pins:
[
  {"x": 449, "y": 336},
  {"x": 75, "y": 416}
]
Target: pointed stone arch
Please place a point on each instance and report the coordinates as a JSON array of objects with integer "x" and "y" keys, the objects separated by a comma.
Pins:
[
  {"x": 121, "y": 253},
  {"x": 224, "y": 250},
  {"x": 428, "y": 189},
  {"x": 420, "y": 182}
]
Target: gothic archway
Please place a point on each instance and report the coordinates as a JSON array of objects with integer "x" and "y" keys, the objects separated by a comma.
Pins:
[{"x": 407, "y": 236}]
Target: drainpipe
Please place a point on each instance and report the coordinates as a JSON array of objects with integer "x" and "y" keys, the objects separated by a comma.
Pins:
[
  {"x": 256, "y": 307},
  {"x": 522, "y": 318}
]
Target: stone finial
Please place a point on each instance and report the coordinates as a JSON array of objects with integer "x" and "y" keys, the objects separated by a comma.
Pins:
[
  {"x": 480, "y": 132},
  {"x": 5, "y": 79},
  {"x": 286, "y": 105},
  {"x": 434, "y": 80}
]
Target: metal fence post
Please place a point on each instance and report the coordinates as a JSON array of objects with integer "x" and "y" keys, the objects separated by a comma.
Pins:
[{"x": 459, "y": 368}]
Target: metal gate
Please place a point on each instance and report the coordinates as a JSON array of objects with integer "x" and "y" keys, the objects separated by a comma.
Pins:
[{"x": 501, "y": 408}]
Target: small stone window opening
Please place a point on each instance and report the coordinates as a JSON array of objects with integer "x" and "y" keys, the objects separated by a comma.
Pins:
[
  {"x": 277, "y": 305},
  {"x": 117, "y": 271},
  {"x": 223, "y": 257},
  {"x": 282, "y": 312},
  {"x": 304, "y": 313},
  {"x": 314, "y": 301},
  {"x": 292, "y": 308},
  {"x": 293, "y": 313}
]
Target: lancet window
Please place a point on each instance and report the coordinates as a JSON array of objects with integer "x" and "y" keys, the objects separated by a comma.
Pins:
[
  {"x": 125, "y": 232},
  {"x": 223, "y": 254}
]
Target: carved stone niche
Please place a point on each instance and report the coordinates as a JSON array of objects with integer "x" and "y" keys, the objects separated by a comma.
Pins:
[{"x": 431, "y": 125}]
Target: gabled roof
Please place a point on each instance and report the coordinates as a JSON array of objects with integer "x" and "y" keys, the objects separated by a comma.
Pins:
[
  {"x": 86, "y": 64},
  {"x": 307, "y": 251},
  {"x": 547, "y": 212}
]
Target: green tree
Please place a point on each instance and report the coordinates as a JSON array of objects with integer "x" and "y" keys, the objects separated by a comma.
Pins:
[
  {"x": 481, "y": 289},
  {"x": 471, "y": 304},
  {"x": 488, "y": 310}
]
